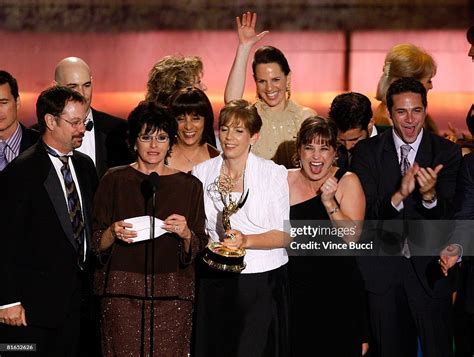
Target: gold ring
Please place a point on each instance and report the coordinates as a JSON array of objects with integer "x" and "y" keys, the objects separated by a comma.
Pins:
[{"x": 231, "y": 236}]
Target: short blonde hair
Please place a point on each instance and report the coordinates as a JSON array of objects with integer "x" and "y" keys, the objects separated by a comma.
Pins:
[
  {"x": 404, "y": 60},
  {"x": 170, "y": 74}
]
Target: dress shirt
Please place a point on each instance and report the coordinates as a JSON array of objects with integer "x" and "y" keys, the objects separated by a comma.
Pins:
[
  {"x": 374, "y": 131},
  {"x": 411, "y": 158},
  {"x": 267, "y": 207},
  {"x": 13, "y": 144},
  {"x": 88, "y": 142}
]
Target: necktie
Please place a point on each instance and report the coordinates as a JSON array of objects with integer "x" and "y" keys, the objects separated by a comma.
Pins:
[
  {"x": 404, "y": 163},
  {"x": 73, "y": 204},
  {"x": 3, "y": 158},
  {"x": 404, "y": 166}
]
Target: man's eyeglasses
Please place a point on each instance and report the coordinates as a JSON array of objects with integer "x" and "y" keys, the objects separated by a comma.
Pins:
[
  {"x": 77, "y": 123},
  {"x": 161, "y": 138}
]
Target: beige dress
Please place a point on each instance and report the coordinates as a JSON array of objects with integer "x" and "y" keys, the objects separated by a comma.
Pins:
[{"x": 278, "y": 133}]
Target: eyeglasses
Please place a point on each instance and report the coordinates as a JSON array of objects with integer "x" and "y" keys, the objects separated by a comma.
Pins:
[
  {"x": 77, "y": 123},
  {"x": 161, "y": 138}
]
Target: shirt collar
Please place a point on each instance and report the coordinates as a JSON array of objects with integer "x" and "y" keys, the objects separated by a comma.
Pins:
[
  {"x": 374, "y": 131},
  {"x": 58, "y": 152},
  {"x": 13, "y": 143},
  {"x": 399, "y": 142},
  {"x": 90, "y": 116}
]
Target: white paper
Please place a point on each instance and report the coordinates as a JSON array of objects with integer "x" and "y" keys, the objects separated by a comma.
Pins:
[{"x": 142, "y": 226}]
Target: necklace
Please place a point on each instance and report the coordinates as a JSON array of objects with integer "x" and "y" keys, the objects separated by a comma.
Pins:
[
  {"x": 191, "y": 161},
  {"x": 226, "y": 180}
]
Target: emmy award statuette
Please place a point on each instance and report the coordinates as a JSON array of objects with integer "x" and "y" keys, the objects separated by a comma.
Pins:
[{"x": 216, "y": 255}]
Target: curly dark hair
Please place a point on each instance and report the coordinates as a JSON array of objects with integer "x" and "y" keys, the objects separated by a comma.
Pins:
[
  {"x": 151, "y": 117},
  {"x": 351, "y": 111}
]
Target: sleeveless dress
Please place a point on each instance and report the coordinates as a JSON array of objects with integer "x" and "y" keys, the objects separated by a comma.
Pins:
[{"x": 327, "y": 299}]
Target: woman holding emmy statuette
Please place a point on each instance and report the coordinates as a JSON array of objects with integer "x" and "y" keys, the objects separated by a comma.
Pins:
[
  {"x": 327, "y": 301},
  {"x": 243, "y": 314},
  {"x": 145, "y": 282}
]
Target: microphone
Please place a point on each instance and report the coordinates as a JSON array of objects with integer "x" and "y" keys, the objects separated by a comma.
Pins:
[
  {"x": 89, "y": 125},
  {"x": 154, "y": 179}
]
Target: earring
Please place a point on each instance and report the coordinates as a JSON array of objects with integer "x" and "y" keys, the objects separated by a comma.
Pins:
[{"x": 288, "y": 91}]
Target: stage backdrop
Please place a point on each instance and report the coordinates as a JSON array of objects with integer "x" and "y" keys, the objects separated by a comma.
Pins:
[{"x": 323, "y": 64}]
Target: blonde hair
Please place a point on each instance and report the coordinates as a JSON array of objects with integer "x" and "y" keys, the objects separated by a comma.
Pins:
[
  {"x": 404, "y": 60},
  {"x": 172, "y": 73}
]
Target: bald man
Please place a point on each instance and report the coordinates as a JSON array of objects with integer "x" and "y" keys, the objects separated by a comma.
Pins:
[{"x": 105, "y": 138}]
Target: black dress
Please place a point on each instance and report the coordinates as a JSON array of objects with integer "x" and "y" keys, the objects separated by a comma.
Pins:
[{"x": 327, "y": 300}]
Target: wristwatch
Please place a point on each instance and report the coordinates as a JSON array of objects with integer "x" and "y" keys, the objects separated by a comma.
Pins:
[{"x": 431, "y": 200}]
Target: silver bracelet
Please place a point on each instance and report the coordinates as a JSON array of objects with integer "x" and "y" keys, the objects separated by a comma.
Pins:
[{"x": 334, "y": 210}]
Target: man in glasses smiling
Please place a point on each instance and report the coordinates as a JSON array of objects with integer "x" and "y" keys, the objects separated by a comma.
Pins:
[{"x": 45, "y": 211}]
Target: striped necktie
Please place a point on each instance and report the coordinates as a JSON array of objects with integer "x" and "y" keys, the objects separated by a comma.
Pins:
[
  {"x": 73, "y": 204},
  {"x": 404, "y": 167},
  {"x": 404, "y": 163},
  {"x": 3, "y": 156}
]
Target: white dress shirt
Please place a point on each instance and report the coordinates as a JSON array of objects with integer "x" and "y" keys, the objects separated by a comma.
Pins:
[
  {"x": 88, "y": 142},
  {"x": 267, "y": 207}
]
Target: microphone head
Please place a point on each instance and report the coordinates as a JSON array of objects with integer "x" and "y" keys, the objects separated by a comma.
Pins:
[
  {"x": 154, "y": 179},
  {"x": 89, "y": 125}
]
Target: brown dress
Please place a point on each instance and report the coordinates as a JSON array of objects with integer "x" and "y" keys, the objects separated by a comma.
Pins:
[{"x": 124, "y": 280}]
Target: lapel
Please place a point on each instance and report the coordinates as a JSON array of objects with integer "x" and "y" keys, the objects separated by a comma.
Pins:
[
  {"x": 424, "y": 154},
  {"x": 55, "y": 192},
  {"x": 389, "y": 166},
  {"x": 28, "y": 138},
  {"x": 100, "y": 147}
]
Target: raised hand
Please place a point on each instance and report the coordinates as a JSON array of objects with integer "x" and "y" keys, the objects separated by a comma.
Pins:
[
  {"x": 246, "y": 29},
  {"x": 328, "y": 190}
]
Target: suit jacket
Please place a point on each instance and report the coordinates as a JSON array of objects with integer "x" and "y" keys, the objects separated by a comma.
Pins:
[
  {"x": 464, "y": 200},
  {"x": 343, "y": 156},
  {"x": 464, "y": 206},
  {"x": 28, "y": 138},
  {"x": 376, "y": 163},
  {"x": 111, "y": 147},
  {"x": 39, "y": 254}
]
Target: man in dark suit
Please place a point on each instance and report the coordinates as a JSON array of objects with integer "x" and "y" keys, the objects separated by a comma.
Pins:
[
  {"x": 14, "y": 137},
  {"x": 464, "y": 214},
  {"x": 46, "y": 197},
  {"x": 105, "y": 139},
  {"x": 408, "y": 174},
  {"x": 352, "y": 113}
]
